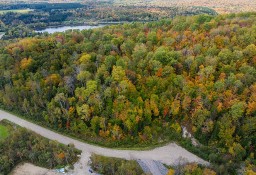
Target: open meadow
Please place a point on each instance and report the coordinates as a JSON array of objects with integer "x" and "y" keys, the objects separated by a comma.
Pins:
[{"x": 16, "y": 11}]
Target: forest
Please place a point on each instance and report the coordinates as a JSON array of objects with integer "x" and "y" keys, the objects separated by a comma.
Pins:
[
  {"x": 140, "y": 83},
  {"x": 21, "y": 145}
]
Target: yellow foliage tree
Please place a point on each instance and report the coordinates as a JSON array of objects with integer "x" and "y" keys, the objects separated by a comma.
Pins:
[
  {"x": 25, "y": 63},
  {"x": 61, "y": 155},
  {"x": 171, "y": 172},
  {"x": 175, "y": 107},
  {"x": 53, "y": 79},
  {"x": 208, "y": 172},
  {"x": 85, "y": 58}
]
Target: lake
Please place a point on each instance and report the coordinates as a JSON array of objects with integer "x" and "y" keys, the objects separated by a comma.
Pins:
[
  {"x": 51, "y": 30},
  {"x": 1, "y": 35}
]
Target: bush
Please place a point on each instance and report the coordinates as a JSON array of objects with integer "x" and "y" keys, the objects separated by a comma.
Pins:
[{"x": 110, "y": 165}]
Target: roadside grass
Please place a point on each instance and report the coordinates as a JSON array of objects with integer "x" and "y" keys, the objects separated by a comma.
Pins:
[
  {"x": 3, "y": 132},
  {"x": 24, "y": 11}
]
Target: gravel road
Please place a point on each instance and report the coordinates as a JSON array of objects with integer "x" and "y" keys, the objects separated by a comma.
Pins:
[
  {"x": 170, "y": 154},
  {"x": 152, "y": 166}
]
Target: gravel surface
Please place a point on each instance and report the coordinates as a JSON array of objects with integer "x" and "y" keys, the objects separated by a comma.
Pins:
[
  {"x": 154, "y": 167},
  {"x": 170, "y": 154}
]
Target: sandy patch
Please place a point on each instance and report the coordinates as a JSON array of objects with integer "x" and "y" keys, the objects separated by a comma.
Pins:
[{"x": 30, "y": 169}]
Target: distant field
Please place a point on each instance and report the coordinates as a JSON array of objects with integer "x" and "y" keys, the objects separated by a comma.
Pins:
[
  {"x": 3, "y": 132},
  {"x": 16, "y": 11}
]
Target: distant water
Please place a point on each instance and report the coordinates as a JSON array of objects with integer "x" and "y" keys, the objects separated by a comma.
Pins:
[
  {"x": 1, "y": 35},
  {"x": 51, "y": 30}
]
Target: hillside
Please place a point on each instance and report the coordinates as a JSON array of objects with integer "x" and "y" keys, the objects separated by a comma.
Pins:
[
  {"x": 138, "y": 84},
  {"x": 221, "y": 6}
]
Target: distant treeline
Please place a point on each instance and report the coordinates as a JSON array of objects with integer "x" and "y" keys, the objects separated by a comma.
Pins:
[
  {"x": 34, "y": 18},
  {"x": 42, "y": 6}
]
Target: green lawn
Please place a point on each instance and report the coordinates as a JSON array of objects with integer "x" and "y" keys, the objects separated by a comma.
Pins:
[
  {"x": 16, "y": 11},
  {"x": 3, "y": 132}
]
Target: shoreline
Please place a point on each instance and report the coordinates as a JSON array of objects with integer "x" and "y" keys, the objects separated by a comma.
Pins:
[{"x": 90, "y": 24}]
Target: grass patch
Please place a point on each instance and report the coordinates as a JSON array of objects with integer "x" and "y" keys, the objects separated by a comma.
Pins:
[
  {"x": 3, "y": 132},
  {"x": 24, "y": 11}
]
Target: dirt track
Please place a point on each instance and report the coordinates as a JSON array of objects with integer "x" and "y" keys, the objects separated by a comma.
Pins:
[{"x": 170, "y": 154}]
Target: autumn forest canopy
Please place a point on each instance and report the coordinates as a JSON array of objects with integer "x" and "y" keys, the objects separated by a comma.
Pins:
[{"x": 139, "y": 83}]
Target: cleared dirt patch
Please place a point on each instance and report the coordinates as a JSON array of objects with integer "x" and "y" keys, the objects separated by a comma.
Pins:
[{"x": 29, "y": 169}]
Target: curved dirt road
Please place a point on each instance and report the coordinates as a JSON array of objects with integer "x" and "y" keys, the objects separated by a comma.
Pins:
[{"x": 170, "y": 154}]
